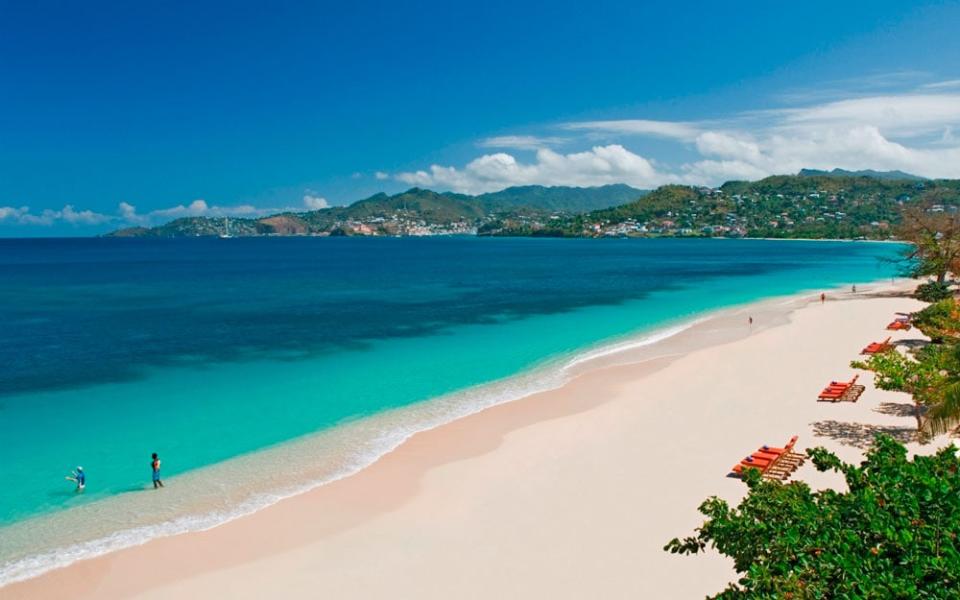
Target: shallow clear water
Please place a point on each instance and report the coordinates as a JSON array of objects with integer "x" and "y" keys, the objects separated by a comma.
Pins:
[{"x": 207, "y": 349}]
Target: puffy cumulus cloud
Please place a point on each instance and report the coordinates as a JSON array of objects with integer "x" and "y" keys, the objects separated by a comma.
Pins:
[
  {"x": 127, "y": 214},
  {"x": 847, "y": 146},
  {"x": 82, "y": 217},
  {"x": 313, "y": 202},
  {"x": 201, "y": 208},
  {"x": 197, "y": 208},
  {"x": 598, "y": 166},
  {"x": 911, "y": 131},
  {"x": 127, "y": 211},
  {"x": 380, "y": 175},
  {"x": 10, "y": 213},
  {"x": 68, "y": 214}
]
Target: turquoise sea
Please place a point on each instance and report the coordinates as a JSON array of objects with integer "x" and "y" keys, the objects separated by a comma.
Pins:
[{"x": 218, "y": 353}]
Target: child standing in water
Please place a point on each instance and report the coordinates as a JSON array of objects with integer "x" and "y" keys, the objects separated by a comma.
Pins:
[{"x": 155, "y": 467}]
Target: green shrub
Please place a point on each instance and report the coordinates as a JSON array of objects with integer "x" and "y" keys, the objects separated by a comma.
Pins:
[
  {"x": 939, "y": 321},
  {"x": 933, "y": 291},
  {"x": 893, "y": 534}
]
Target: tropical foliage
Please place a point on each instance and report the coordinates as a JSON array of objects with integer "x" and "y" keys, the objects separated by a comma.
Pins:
[
  {"x": 940, "y": 321},
  {"x": 930, "y": 374},
  {"x": 933, "y": 291},
  {"x": 932, "y": 226},
  {"x": 893, "y": 534}
]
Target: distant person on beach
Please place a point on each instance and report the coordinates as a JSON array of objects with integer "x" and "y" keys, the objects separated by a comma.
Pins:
[
  {"x": 750, "y": 321},
  {"x": 155, "y": 467},
  {"x": 854, "y": 288},
  {"x": 80, "y": 478},
  {"x": 823, "y": 298}
]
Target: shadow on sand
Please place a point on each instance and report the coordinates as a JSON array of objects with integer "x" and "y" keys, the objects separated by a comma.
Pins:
[
  {"x": 897, "y": 409},
  {"x": 860, "y": 435}
]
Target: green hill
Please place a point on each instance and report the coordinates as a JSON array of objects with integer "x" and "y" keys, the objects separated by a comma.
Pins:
[
  {"x": 416, "y": 211},
  {"x": 782, "y": 206},
  {"x": 787, "y": 206},
  {"x": 864, "y": 173},
  {"x": 559, "y": 199}
]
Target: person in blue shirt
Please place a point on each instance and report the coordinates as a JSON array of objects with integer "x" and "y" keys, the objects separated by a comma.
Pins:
[{"x": 80, "y": 478}]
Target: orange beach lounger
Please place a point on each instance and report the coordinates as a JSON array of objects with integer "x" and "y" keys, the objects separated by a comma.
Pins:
[
  {"x": 773, "y": 463},
  {"x": 876, "y": 347}
]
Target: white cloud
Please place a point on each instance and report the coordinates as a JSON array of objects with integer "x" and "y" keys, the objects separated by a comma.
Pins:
[
  {"x": 912, "y": 132},
  {"x": 10, "y": 213},
  {"x": 942, "y": 85},
  {"x": 127, "y": 214},
  {"x": 676, "y": 130},
  {"x": 380, "y": 175},
  {"x": 598, "y": 166},
  {"x": 68, "y": 214},
  {"x": 197, "y": 208},
  {"x": 314, "y": 202},
  {"x": 83, "y": 217},
  {"x": 128, "y": 211},
  {"x": 520, "y": 142},
  {"x": 904, "y": 115}
]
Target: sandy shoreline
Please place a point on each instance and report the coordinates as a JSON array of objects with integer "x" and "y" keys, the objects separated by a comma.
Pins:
[{"x": 565, "y": 493}]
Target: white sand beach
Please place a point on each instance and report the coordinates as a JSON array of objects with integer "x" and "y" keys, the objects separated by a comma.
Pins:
[{"x": 570, "y": 493}]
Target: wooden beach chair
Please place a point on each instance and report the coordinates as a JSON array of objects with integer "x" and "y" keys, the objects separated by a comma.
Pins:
[
  {"x": 773, "y": 463},
  {"x": 877, "y": 347},
  {"x": 787, "y": 448},
  {"x": 900, "y": 323},
  {"x": 845, "y": 391}
]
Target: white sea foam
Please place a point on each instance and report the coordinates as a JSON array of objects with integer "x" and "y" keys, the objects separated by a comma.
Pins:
[{"x": 633, "y": 344}]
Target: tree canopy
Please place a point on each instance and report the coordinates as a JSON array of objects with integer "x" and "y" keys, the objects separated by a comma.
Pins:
[{"x": 893, "y": 534}]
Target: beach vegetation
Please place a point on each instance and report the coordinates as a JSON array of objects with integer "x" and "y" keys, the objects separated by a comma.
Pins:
[
  {"x": 892, "y": 534},
  {"x": 926, "y": 375},
  {"x": 933, "y": 291},
  {"x": 932, "y": 227},
  {"x": 930, "y": 373},
  {"x": 939, "y": 321}
]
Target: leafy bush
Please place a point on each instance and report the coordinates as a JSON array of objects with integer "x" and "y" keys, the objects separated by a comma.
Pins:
[
  {"x": 940, "y": 321},
  {"x": 892, "y": 535},
  {"x": 933, "y": 291}
]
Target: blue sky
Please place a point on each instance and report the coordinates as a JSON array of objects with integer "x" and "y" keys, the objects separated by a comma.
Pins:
[{"x": 139, "y": 112}]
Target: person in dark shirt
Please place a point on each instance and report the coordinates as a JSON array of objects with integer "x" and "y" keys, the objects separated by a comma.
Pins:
[
  {"x": 155, "y": 467},
  {"x": 80, "y": 478}
]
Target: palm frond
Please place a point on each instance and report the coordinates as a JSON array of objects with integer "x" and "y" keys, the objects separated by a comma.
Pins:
[{"x": 944, "y": 416}]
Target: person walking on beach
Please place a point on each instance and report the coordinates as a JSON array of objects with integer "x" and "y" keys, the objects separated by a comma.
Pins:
[
  {"x": 854, "y": 288},
  {"x": 823, "y": 297},
  {"x": 80, "y": 478},
  {"x": 155, "y": 467}
]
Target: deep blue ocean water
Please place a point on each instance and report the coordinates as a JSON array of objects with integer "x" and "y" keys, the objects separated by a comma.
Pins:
[{"x": 206, "y": 349}]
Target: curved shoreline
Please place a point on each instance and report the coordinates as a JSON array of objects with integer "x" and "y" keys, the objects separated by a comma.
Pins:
[
  {"x": 717, "y": 327},
  {"x": 446, "y": 409}
]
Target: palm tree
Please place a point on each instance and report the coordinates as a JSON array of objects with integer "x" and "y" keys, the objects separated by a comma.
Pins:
[{"x": 943, "y": 413}]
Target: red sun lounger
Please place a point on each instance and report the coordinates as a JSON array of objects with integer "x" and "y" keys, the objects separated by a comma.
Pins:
[
  {"x": 847, "y": 391},
  {"x": 877, "y": 347},
  {"x": 773, "y": 463}
]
